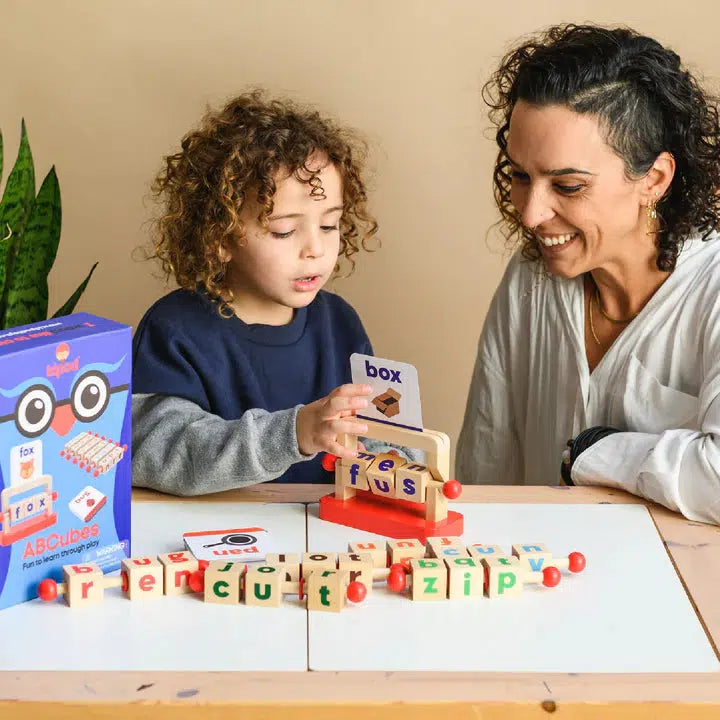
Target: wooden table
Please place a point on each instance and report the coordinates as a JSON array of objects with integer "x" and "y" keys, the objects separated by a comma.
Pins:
[{"x": 693, "y": 547}]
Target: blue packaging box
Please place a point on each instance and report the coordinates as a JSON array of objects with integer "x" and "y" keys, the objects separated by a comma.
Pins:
[{"x": 65, "y": 456}]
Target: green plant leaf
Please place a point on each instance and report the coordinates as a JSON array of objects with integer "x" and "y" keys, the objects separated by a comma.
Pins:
[
  {"x": 1, "y": 157},
  {"x": 14, "y": 210},
  {"x": 69, "y": 306},
  {"x": 27, "y": 287}
]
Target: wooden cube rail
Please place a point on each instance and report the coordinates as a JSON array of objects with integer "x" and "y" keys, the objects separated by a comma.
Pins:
[{"x": 441, "y": 568}]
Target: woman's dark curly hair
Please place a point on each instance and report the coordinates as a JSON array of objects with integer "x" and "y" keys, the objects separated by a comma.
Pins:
[
  {"x": 234, "y": 156},
  {"x": 645, "y": 101}
]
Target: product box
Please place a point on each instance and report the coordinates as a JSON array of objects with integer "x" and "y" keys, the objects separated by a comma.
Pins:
[{"x": 65, "y": 466}]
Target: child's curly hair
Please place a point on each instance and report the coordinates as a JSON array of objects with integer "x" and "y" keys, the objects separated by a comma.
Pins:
[
  {"x": 234, "y": 155},
  {"x": 646, "y": 102}
]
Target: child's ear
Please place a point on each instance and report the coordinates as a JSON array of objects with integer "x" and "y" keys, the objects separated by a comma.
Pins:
[{"x": 224, "y": 254}]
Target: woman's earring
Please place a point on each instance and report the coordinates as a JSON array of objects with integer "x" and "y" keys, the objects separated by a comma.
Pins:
[{"x": 652, "y": 213}]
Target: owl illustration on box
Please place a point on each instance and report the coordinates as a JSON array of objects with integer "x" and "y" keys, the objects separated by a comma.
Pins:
[{"x": 41, "y": 403}]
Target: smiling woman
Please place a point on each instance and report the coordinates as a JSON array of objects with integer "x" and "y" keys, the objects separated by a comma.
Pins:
[{"x": 606, "y": 326}]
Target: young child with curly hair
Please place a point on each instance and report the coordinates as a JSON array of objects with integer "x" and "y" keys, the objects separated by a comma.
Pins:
[{"x": 242, "y": 375}]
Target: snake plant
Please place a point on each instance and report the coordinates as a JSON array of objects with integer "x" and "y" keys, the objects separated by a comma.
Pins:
[{"x": 29, "y": 238}]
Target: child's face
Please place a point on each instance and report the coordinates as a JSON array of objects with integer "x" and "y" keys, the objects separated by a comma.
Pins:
[{"x": 282, "y": 268}]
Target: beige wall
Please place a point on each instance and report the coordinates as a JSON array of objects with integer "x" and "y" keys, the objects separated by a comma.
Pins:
[{"x": 107, "y": 87}]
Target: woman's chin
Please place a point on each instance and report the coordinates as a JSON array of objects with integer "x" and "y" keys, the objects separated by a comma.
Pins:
[{"x": 563, "y": 269}]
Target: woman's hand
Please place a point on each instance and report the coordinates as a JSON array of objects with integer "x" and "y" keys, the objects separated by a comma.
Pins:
[{"x": 319, "y": 423}]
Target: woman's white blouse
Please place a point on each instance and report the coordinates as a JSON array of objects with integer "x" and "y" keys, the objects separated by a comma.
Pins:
[{"x": 659, "y": 383}]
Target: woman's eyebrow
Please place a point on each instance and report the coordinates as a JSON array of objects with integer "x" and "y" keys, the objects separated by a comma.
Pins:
[{"x": 554, "y": 173}]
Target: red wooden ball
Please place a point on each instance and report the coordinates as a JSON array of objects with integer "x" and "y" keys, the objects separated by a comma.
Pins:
[
  {"x": 328, "y": 462},
  {"x": 551, "y": 576},
  {"x": 397, "y": 580},
  {"x": 452, "y": 489},
  {"x": 576, "y": 562},
  {"x": 47, "y": 590},
  {"x": 197, "y": 581},
  {"x": 356, "y": 592}
]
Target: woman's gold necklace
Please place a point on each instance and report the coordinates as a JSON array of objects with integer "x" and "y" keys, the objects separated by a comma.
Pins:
[{"x": 596, "y": 297}]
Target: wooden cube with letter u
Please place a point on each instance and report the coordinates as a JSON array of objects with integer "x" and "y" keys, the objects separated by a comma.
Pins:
[
  {"x": 264, "y": 584},
  {"x": 405, "y": 549},
  {"x": 381, "y": 474}
]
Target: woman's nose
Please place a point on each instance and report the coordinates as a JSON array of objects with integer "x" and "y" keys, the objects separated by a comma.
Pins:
[{"x": 536, "y": 208}]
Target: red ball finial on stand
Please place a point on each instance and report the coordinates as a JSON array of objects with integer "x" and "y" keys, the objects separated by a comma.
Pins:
[
  {"x": 452, "y": 489},
  {"x": 328, "y": 462}
]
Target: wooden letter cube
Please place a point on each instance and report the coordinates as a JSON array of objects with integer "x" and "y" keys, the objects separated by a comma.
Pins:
[
  {"x": 317, "y": 561},
  {"x": 223, "y": 582},
  {"x": 466, "y": 577},
  {"x": 480, "y": 551},
  {"x": 504, "y": 577},
  {"x": 443, "y": 547},
  {"x": 354, "y": 470},
  {"x": 143, "y": 577},
  {"x": 84, "y": 584},
  {"x": 381, "y": 474},
  {"x": 352, "y": 476},
  {"x": 263, "y": 585},
  {"x": 178, "y": 568},
  {"x": 399, "y": 550},
  {"x": 429, "y": 579},
  {"x": 290, "y": 561},
  {"x": 376, "y": 550},
  {"x": 411, "y": 482},
  {"x": 532, "y": 557},
  {"x": 359, "y": 567},
  {"x": 326, "y": 590}
]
